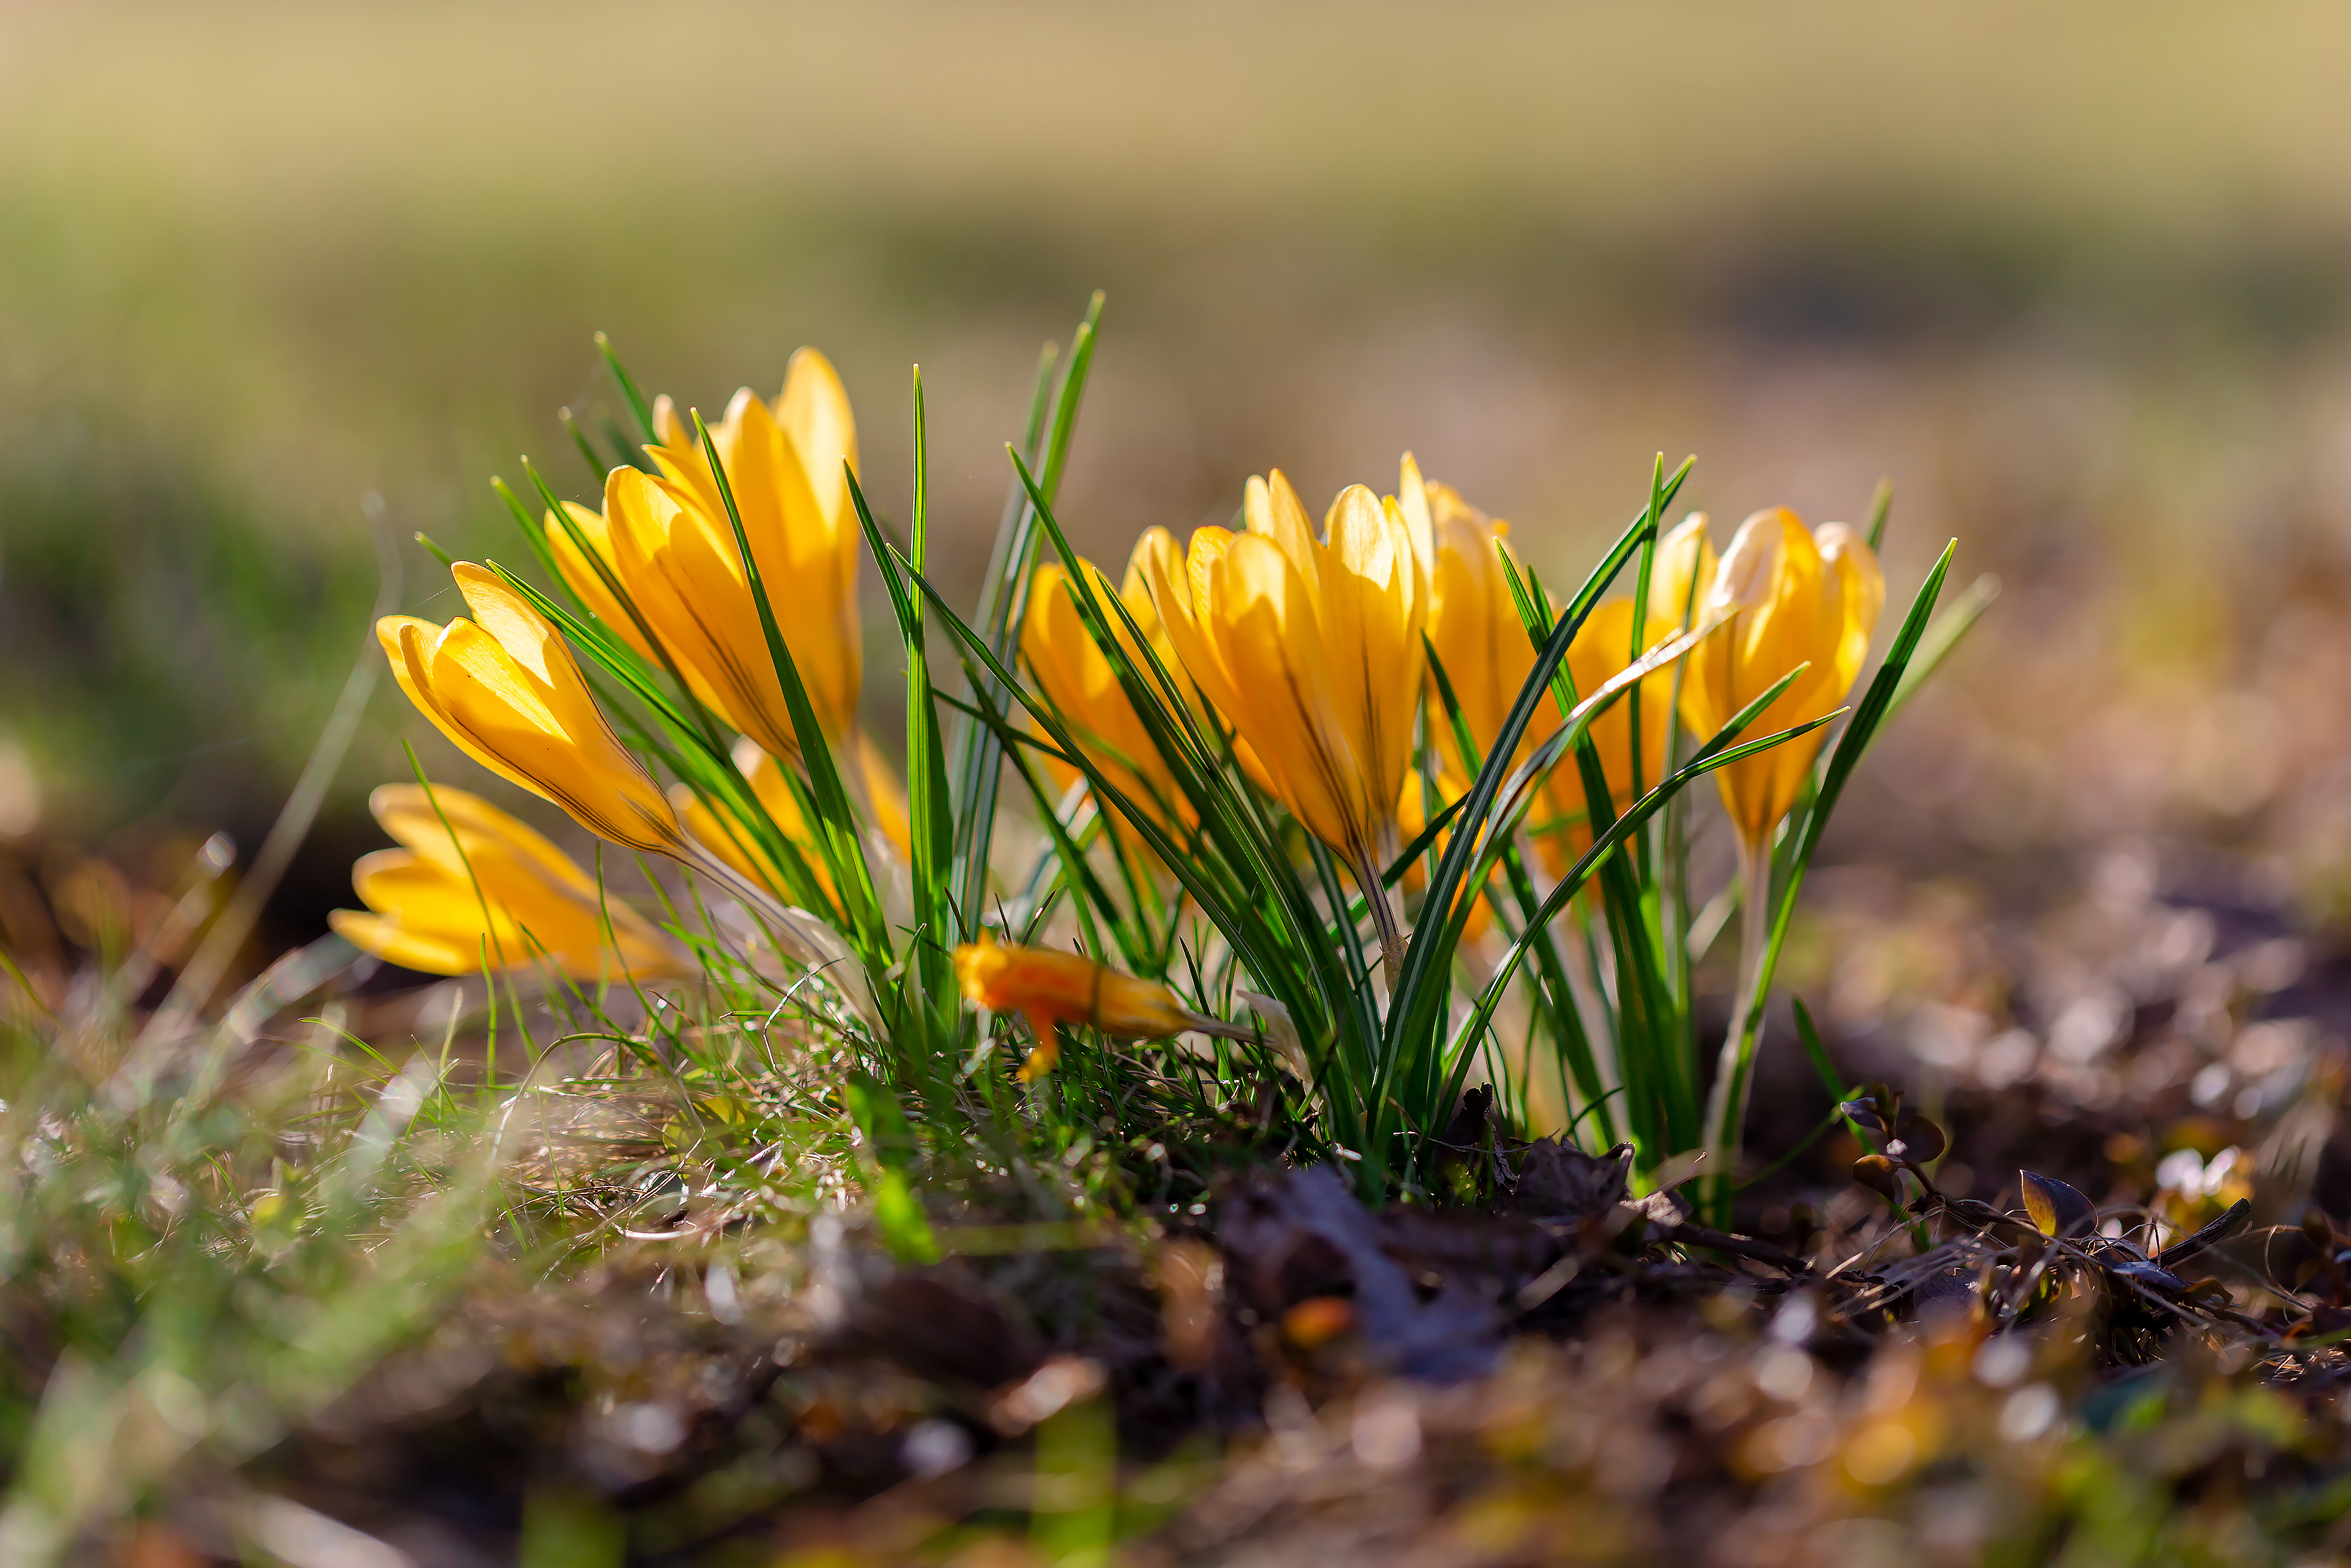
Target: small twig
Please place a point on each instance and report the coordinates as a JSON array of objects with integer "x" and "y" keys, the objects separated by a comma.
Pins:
[{"x": 1688, "y": 1235}]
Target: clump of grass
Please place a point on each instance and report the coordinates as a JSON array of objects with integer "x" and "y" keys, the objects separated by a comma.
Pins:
[{"x": 1353, "y": 985}]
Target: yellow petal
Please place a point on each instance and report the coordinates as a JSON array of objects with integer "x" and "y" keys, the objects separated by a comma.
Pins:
[
  {"x": 581, "y": 572},
  {"x": 1263, "y": 621},
  {"x": 688, "y": 584},
  {"x": 1602, "y": 650},
  {"x": 1795, "y": 605},
  {"x": 808, "y": 543},
  {"x": 1412, "y": 499},
  {"x": 387, "y": 940},
  {"x": 802, "y": 536},
  {"x": 729, "y": 841},
  {"x": 505, "y": 687},
  {"x": 1474, "y": 624},
  {"x": 408, "y": 814},
  {"x": 1372, "y": 636},
  {"x": 411, "y": 645},
  {"x": 884, "y": 795},
  {"x": 1077, "y": 678},
  {"x": 736, "y": 844},
  {"x": 1274, "y": 512},
  {"x": 1683, "y": 572},
  {"x": 1182, "y": 600},
  {"x": 1852, "y": 566},
  {"x": 813, "y": 410},
  {"x": 498, "y": 902}
]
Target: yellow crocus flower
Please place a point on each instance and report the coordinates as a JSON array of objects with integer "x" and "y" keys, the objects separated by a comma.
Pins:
[
  {"x": 475, "y": 884},
  {"x": 505, "y": 688},
  {"x": 738, "y": 849},
  {"x": 1310, "y": 649},
  {"x": 1077, "y": 679},
  {"x": 787, "y": 465},
  {"x": 1051, "y": 988},
  {"x": 1475, "y": 627},
  {"x": 679, "y": 565},
  {"x": 1791, "y": 596}
]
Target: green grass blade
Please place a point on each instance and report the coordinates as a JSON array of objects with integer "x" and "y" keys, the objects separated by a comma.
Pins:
[
  {"x": 834, "y": 821},
  {"x": 930, "y": 813},
  {"x": 1881, "y": 502},
  {"x": 977, "y": 780},
  {"x": 636, "y": 400},
  {"x": 1229, "y": 884},
  {"x": 1426, "y": 966},
  {"x": 1942, "y": 638},
  {"x": 1867, "y": 717},
  {"x": 1006, "y": 600},
  {"x": 1717, "y": 753},
  {"x": 588, "y": 453}
]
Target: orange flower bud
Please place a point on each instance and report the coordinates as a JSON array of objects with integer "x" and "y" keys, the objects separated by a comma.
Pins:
[{"x": 1049, "y": 989}]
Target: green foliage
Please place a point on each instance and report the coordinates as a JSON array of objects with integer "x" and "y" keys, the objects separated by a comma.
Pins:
[
  {"x": 1222, "y": 898},
  {"x": 178, "y": 1288}
]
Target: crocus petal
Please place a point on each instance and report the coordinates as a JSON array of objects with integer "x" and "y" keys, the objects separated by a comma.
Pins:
[
  {"x": 582, "y": 575},
  {"x": 785, "y": 468},
  {"x": 505, "y": 688},
  {"x": 387, "y": 939},
  {"x": 813, "y": 410},
  {"x": 423, "y": 822},
  {"x": 1274, "y": 512},
  {"x": 480, "y": 887},
  {"x": 1791, "y": 603},
  {"x": 1265, "y": 624},
  {"x": 1078, "y": 680}
]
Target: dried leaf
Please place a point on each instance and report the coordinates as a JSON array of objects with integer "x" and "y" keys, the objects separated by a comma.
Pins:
[
  {"x": 1922, "y": 1140},
  {"x": 1293, "y": 1235},
  {"x": 1881, "y": 1176},
  {"x": 1670, "y": 1174},
  {"x": 2208, "y": 1293},
  {"x": 2152, "y": 1275},
  {"x": 1559, "y": 1181},
  {"x": 2240, "y": 1213},
  {"x": 1863, "y": 1113},
  {"x": 2058, "y": 1209}
]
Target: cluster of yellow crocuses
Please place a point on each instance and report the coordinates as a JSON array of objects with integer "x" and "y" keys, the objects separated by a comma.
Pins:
[
  {"x": 1306, "y": 645},
  {"x": 1310, "y": 647},
  {"x": 660, "y": 568}
]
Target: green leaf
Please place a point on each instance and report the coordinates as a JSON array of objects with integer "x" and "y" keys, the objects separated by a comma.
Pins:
[
  {"x": 834, "y": 821},
  {"x": 1408, "y": 1056},
  {"x": 1241, "y": 886},
  {"x": 930, "y": 813},
  {"x": 1731, "y": 1102},
  {"x": 1718, "y": 752},
  {"x": 1426, "y": 965},
  {"x": 1005, "y": 602},
  {"x": 905, "y": 1228},
  {"x": 1943, "y": 637},
  {"x": 1880, "y": 504},
  {"x": 897, "y": 1214},
  {"x": 644, "y": 415},
  {"x": 588, "y": 453}
]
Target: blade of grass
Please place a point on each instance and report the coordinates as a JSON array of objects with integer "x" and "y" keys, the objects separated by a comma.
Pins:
[
  {"x": 1007, "y": 601},
  {"x": 644, "y": 415},
  {"x": 833, "y": 821}
]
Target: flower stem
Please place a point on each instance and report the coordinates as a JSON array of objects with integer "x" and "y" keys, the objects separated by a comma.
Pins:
[
  {"x": 1367, "y": 876},
  {"x": 1725, "y": 1110}
]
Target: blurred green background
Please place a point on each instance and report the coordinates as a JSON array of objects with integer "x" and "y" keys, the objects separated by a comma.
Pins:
[{"x": 2073, "y": 278}]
